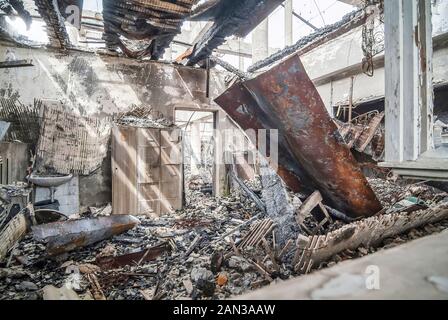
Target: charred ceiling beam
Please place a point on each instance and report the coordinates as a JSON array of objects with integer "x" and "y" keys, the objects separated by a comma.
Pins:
[
  {"x": 207, "y": 11},
  {"x": 57, "y": 33},
  {"x": 241, "y": 74},
  {"x": 16, "y": 64},
  {"x": 235, "y": 18},
  {"x": 7, "y": 6}
]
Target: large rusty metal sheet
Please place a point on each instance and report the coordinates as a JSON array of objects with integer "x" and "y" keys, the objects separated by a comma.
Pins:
[
  {"x": 240, "y": 106},
  {"x": 286, "y": 95}
]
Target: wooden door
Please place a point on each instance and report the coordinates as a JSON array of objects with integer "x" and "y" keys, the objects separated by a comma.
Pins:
[{"x": 147, "y": 171}]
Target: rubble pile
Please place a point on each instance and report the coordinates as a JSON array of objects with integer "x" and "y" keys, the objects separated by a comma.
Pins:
[
  {"x": 212, "y": 249},
  {"x": 388, "y": 243},
  {"x": 142, "y": 117},
  {"x": 389, "y": 192},
  {"x": 144, "y": 123}
]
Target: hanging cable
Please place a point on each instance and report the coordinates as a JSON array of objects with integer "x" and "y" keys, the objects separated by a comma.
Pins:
[{"x": 320, "y": 12}]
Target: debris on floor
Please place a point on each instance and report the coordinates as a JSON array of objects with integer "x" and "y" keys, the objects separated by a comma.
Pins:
[
  {"x": 214, "y": 248},
  {"x": 364, "y": 134}
]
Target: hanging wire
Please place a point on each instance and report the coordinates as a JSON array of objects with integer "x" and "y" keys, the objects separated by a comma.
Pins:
[
  {"x": 320, "y": 12},
  {"x": 371, "y": 39}
]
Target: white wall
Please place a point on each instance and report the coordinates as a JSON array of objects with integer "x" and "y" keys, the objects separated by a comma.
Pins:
[
  {"x": 93, "y": 84},
  {"x": 345, "y": 51}
]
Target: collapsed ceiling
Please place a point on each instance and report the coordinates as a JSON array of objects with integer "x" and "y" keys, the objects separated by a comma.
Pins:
[
  {"x": 9, "y": 6},
  {"x": 145, "y": 28},
  {"x": 157, "y": 22}
]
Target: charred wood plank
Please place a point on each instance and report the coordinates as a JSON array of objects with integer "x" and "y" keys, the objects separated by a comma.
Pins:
[
  {"x": 246, "y": 190},
  {"x": 16, "y": 64},
  {"x": 278, "y": 205}
]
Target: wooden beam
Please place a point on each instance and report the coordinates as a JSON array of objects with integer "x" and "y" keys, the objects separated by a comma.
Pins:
[
  {"x": 16, "y": 64},
  {"x": 239, "y": 21}
]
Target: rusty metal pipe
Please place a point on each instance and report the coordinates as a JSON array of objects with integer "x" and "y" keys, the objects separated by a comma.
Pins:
[{"x": 66, "y": 236}]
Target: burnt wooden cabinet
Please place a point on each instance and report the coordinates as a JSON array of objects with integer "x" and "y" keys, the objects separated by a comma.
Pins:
[{"x": 146, "y": 170}]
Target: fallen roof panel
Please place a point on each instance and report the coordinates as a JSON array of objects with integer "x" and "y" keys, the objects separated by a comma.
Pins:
[{"x": 287, "y": 100}]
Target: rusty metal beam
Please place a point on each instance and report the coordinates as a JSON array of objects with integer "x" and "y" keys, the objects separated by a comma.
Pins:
[
  {"x": 294, "y": 107},
  {"x": 65, "y": 236},
  {"x": 135, "y": 258}
]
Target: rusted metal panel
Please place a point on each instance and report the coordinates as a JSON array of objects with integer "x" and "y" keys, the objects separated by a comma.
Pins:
[
  {"x": 242, "y": 108},
  {"x": 65, "y": 236},
  {"x": 286, "y": 95}
]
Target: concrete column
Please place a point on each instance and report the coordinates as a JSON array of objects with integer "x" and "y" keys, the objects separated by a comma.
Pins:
[
  {"x": 219, "y": 169},
  {"x": 240, "y": 58},
  {"x": 260, "y": 41},
  {"x": 241, "y": 63},
  {"x": 195, "y": 142},
  {"x": 408, "y": 70},
  {"x": 288, "y": 23}
]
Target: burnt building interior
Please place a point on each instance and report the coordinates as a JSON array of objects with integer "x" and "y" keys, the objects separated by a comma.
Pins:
[{"x": 216, "y": 149}]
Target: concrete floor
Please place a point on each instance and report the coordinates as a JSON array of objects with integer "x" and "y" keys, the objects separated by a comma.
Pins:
[{"x": 415, "y": 270}]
